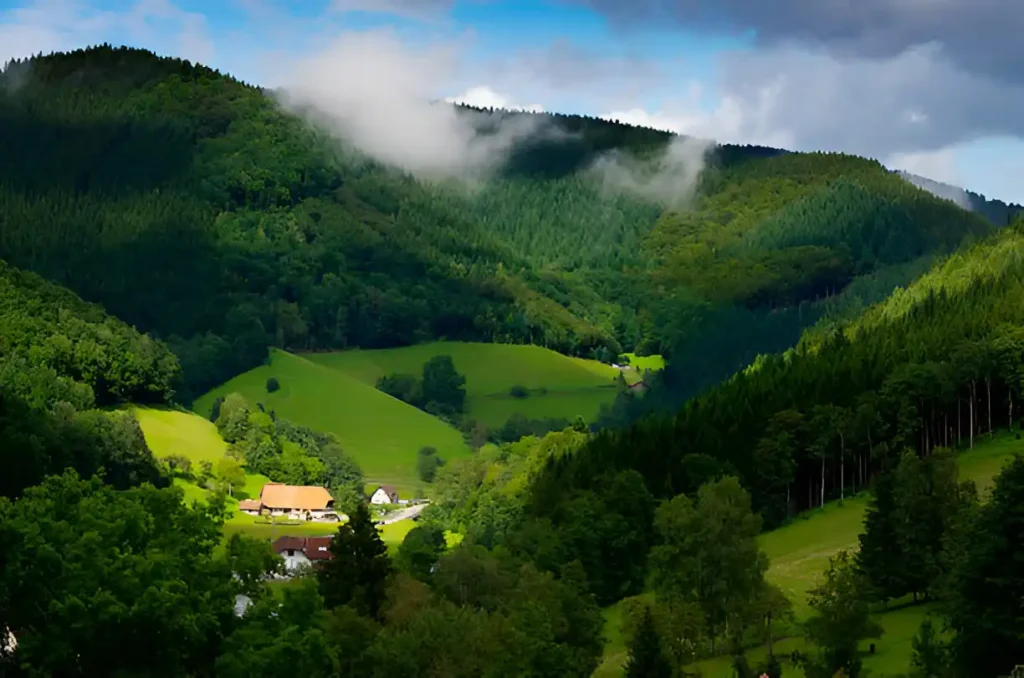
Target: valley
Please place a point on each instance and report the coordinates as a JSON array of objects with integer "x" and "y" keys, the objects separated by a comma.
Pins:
[{"x": 647, "y": 423}]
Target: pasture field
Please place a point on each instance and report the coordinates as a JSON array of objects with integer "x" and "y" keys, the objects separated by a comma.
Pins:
[
  {"x": 559, "y": 386},
  {"x": 381, "y": 433},
  {"x": 799, "y": 553},
  {"x": 175, "y": 432}
]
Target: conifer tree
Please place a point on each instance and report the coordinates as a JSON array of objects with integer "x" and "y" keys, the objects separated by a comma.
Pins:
[
  {"x": 358, "y": 570},
  {"x": 646, "y": 659}
]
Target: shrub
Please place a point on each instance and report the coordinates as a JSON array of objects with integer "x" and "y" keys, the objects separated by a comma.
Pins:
[
  {"x": 518, "y": 391},
  {"x": 273, "y": 385},
  {"x": 427, "y": 463}
]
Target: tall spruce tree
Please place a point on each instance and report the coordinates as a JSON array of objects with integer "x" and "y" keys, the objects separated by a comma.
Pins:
[
  {"x": 358, "y": 570},
  {"x": 646, "y": 659},
  {"x": 985, "y": 606},
  {"x": 879, "y": 556}
]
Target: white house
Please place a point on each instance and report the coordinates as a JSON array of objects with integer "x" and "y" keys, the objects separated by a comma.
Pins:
[
  {"x": 384, "y": 494},
  {"x": 300, "y": 552}
]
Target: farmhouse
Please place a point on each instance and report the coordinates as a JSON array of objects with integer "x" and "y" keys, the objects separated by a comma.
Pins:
[
  {"x": 302, "y": 551},
  {"x": 250, "y": 506},
  {"x": 384, "y": 494},
  {"x": 294, "y": 501}
]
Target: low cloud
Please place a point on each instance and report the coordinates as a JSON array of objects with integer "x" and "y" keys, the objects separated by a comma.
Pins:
[
  {"x": 379, "y": 96},
  {"x": 668, "y": 179}
]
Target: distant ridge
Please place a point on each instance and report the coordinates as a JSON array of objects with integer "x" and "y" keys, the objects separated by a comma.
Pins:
[{"x": 997, "y": 211}]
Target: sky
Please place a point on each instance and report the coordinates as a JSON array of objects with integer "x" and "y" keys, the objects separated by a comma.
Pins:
[{"x": 935, "y": 87}]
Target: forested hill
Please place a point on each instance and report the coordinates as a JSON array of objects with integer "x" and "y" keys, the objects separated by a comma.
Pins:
[
  {"x": 190, "y": 205},
  {"x": 60, "y": 359},
  {"x": 934, "y": 365}
]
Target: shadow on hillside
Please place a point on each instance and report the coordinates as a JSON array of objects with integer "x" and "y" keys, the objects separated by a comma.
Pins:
[{"x": 114, "y": 156}]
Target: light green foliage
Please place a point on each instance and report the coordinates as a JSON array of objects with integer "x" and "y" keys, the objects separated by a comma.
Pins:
[
  {"x": 174, "y": 432},
  {"x": 842, "y": 619},
  {"x": 708, "y": 555},
  {"x": 483, "y": 495},
  {"x": 380, "y": 433}
]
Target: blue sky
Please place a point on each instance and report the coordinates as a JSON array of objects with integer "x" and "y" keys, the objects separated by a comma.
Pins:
[{"x": 916, "y": 106}]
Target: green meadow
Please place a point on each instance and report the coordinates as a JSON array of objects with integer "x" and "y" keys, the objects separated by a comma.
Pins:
[
  {"x": 799, "y": 553},
  {"x": 381, "y": 433},
  {"x": 559, "y": 386},
  {"x": 173, "y": 432}
]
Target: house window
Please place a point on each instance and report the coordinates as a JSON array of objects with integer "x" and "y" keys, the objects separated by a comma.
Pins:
[{"x": 291, "y": 552}]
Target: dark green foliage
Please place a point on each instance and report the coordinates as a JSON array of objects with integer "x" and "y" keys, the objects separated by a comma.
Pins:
[
  {"x": 931, "y": 655},
  {"x": 427, "y": 464},
  {"x": 277, "y": 638},
  {"x": 358, "y": 571},
  {"x": 921, "y": 370},
  {"x": 420, "y": 551},
  {"x": 912, "y": 513},
  {"x": 273, "y": 385},
  {"x": 645, "y": 657},
  {"x": 405, "y": 387},
  {"x": 36, "y": 443},
  {"x": 519, "y": 425},
  {"x": 519, "y": 392},
  {"x": 226, "y": 226},
  {"x": 90, "y": 575},
  {"x": 444, "y": 389},
  {"x": 55, "y": 347},
  {"x": 708, "y": 554},
  {"x": 984, "y": 603},
  {"x": 441, "y": 390}
]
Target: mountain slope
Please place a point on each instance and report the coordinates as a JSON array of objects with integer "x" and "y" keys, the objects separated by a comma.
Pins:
[
  {"x": 60, "y": 360},
  {"x": 190, "y": 205},
  {"x": 380, "y": 433},
  {"x": 932, "y": 365}
]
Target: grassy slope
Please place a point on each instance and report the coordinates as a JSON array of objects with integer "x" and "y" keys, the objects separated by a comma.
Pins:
[
  {"x": 799, "y": 553},
  {"x": 174, "y": 432},
  {"x": 171, "y": 432},
  {"x": 574, "y": 386},
  {"x": 381, "y": 433}
]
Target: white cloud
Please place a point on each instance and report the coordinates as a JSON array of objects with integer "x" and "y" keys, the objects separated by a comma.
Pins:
[
  {"x": 375, "y": 92},
  {"x": 939, "y": 165},
  {"x": 483, "y": 96}
]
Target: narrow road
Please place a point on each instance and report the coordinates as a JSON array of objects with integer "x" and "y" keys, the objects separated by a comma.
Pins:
[{"x": 404, "y": 514}]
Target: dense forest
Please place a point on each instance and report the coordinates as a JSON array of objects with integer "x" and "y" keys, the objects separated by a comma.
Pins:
[
  {"x": 191, "y": 206},
  {"x": 828, "y": 326}
]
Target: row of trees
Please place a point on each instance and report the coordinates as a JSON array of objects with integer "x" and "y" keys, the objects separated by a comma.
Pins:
[{"x": 441, "y": 390}]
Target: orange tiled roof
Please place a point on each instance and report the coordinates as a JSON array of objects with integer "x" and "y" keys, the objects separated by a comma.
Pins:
[
  {"x": 308, "y": 498},
  {"x": 249, "y": 505}
]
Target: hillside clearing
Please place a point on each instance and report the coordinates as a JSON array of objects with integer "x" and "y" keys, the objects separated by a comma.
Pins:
[
  {"x": 380, "y": 433},
  {"x": 560, "y": 386},
  {"x": 175, "y": 432},
  {"x": 799, "y": 553}
]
